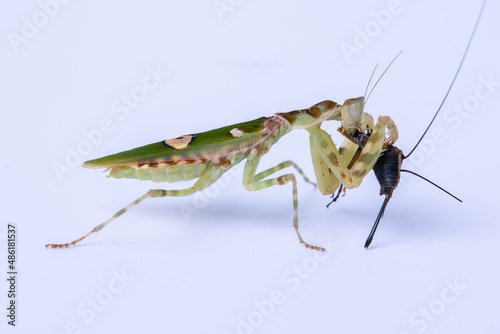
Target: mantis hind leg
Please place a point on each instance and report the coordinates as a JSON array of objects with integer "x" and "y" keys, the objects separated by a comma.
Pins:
[
  {"x": 254, "y": 182},
  {"x": 209, "y": 176}
]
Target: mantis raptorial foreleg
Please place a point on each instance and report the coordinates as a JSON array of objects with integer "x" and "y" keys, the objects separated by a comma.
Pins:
[
  {"x": 209, "y": 176},
  {"x": 339, "y": 165},
  {"x": 253, "y": 182},
  {"x": 327, "y": 181}
]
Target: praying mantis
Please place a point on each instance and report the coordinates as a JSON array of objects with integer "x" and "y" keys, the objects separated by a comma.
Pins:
[{"x": 206, "y": 156}]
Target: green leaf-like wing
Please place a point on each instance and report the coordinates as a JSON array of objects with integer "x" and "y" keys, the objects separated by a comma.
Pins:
[{"x": 204, "y": 146}]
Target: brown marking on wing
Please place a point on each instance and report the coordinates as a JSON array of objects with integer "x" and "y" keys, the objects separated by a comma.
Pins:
[{"x": 165, "y": 164}]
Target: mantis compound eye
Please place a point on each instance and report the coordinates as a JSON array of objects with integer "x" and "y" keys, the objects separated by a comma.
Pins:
[
  {"x": 356, "y": 110},
  {"x": 352, "y": 112}
]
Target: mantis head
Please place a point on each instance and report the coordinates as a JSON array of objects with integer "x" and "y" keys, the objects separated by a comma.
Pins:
[
  {"x": 352, "y": 116},
  {"x": 352, "y": 113}
]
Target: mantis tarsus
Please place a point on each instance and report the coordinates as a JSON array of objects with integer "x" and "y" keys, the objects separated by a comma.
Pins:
[{"x": 207, "y": 156}]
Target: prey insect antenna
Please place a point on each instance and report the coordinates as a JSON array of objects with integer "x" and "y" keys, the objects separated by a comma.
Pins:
[
  {"x": 376, "y": 83},
  {"x": 454, "y": 78},
  {"x": 420, "y": 176}
]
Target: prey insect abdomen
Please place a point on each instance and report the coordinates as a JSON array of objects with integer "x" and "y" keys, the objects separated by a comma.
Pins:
[{"x": 387, "y": 169}]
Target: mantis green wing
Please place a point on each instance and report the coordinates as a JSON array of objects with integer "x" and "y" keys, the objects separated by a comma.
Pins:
[{"x": 186, "y": 157}]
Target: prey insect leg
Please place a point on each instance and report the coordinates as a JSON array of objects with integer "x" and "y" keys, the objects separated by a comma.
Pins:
[{"x": 336, "y": 197}]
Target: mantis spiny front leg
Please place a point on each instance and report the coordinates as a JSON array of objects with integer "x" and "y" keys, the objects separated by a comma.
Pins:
[
  {"x": 338, "y": 164},
  {"x": 327, "y": 181}
]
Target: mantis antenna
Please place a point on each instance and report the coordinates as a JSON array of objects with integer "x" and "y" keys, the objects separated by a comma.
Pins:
[{"x": 376, "y": 83}]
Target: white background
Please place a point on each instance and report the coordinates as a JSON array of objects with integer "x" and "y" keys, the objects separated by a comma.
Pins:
[{"x": 205, "y": 272}]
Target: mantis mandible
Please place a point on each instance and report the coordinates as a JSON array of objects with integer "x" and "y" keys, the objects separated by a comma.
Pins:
[{"x": 207, "y": 156}]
